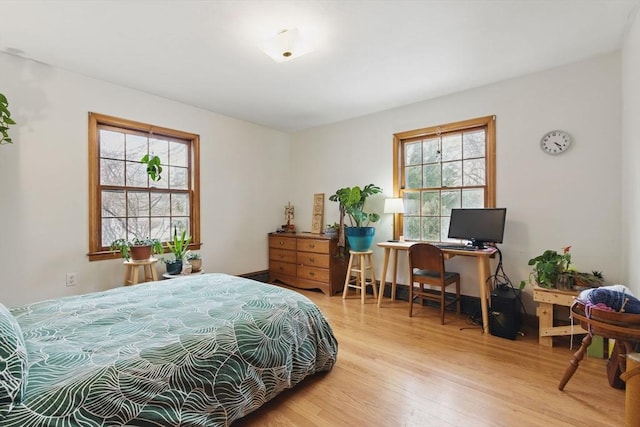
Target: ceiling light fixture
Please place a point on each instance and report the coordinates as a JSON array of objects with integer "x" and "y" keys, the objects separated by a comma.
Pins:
[{"x": 286, "y": 45}]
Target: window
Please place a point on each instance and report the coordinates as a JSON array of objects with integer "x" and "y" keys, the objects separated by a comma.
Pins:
[
  {"x": 123, "y": 201},
  {"x": 440, "y": 168}
]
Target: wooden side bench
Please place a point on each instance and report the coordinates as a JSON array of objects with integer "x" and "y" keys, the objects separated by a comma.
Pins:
[{"x": 547, "y": 299}]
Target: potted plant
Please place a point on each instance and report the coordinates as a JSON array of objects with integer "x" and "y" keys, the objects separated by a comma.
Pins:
[
  {"x": 549, "y": 267},
  {"x": 178, "y": 248},
  {"x": 195, "y": 261},
  {"x": 351, "y": 202},
  {"x": 137, "y": 249},
  {"x": 331, "y": 230},
  {"x": 5, "y": 120}
]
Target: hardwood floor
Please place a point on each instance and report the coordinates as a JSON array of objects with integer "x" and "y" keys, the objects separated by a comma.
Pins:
[{"x": 393, "y": 370}]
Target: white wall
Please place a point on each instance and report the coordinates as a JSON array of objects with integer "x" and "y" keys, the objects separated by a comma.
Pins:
[
  {"x": 631, "y": 154},
  {"x": 571, "y": 199},
  {"x": 44, "y": 192}
]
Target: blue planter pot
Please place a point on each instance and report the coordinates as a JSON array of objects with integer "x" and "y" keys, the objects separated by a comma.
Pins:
[{"x": 360, "y": 238}]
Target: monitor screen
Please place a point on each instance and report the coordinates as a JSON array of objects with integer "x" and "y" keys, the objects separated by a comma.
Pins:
[{"x": 480, "y": 226}]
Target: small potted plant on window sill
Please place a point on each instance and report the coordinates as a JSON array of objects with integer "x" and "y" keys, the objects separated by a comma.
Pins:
[
  {"x": 194, "y": 259},
  {"x": 137, "y": 249},
  {"x": 178, "y": 248}
]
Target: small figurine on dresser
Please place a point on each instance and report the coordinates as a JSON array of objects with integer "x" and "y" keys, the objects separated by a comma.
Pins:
[{"x": 289, "y": 227}]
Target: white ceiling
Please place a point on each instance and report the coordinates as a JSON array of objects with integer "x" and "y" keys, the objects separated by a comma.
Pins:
[{"x": 369, "y": 55}]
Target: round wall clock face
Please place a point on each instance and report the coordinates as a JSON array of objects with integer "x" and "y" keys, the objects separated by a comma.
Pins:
[{"x": 555, "y": 142}]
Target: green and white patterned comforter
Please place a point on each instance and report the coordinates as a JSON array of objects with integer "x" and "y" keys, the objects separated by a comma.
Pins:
[{"x": 195, "y": 351}]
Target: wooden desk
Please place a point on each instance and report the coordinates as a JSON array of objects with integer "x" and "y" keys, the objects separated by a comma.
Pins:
[
  {"x": 482, "y": 259},
  {"x": 546, "y": 299}
]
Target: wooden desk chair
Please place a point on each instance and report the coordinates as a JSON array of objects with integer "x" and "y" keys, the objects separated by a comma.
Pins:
[
  {"x": 622, "y": 327},
  {"x": 426, "y": 265}
]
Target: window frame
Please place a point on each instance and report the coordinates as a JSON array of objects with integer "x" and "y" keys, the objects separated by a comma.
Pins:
[
  {"x": 97, "y": 252},
  {"x": 399, "y": 140}
]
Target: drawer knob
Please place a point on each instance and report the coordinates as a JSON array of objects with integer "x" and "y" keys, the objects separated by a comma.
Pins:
[
  {"x": 311, "y": 273},
  {"x": 312, "y": 260},
  {"x": 281, "y": 242},
  {"x": 311, "y": 245}
]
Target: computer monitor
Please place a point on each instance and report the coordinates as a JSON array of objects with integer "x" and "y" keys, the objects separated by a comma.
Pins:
[{"x": 479, "y": 226}]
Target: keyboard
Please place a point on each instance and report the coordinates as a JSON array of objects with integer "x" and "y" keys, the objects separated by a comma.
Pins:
[{"x": 457, "y": 247}]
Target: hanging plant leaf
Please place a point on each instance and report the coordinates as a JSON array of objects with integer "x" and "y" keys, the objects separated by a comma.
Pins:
[
  {"x": 153, "y": 166},
  {"x": 5, "y": 120}
]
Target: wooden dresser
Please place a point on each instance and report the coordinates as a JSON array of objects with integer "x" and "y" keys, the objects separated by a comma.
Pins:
[{"x": 308, "y": 261}]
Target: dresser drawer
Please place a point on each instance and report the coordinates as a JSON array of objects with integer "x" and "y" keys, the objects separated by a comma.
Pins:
[
  {"x": 313, "y": 273},
  {"x": 282, "y": 242},
  {"x": 282, "y": 268},
  {"x": 312, "y": 259},
  {"x": 282, "y": 255},
  {"x": 312, "y": 245}
]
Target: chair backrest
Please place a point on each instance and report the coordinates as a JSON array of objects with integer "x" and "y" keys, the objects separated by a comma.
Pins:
[{"x": 424, "y": 256}]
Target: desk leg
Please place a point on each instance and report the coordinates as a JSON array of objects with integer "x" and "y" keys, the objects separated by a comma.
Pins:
[
  {"x": 383, "y": 278},
  {"x": 395, "y": 275},
  {"x": 483, "y": 275}
]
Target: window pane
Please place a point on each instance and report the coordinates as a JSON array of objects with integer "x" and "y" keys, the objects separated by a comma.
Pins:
[
  {"x": 445, "y": 220},
  {"x": 180, "y": 205},
  {"x": 138, "y": 228},
  {"x": 413, "y": 176},
  {"x": 161, "y": 229},
  {"x": 111, "y": 172},
  {"x": 138, "y": 204},
  {"x": 178, "y": 155},
  {"x": 113, "y": 204},
  {"x": 474, "y": 144},
  {"x": 413, "y": 153},
  {"x": 473, "y": 172},
  {"x": 136, "y": 147},
  {"x": 432, "y": 177},
  {"x": 179, "y": 224},
  {"x": 160, "y": 204},
  {"x": 137, "y": 175},
  {"x": 177, "y": 178},
  {"x": 452, "y": 147},
  {"x": 112, "y": 229},
  {"x": 431, "y": 150},
  {"x": 473, "y": 198},
  {"x": 431, "y": 228},
  {"x": 159, "y": 147},
  {"x": 431, "y": 203},
  {"x": 111, "y": 144},
  {"x": 412, "y": 203},
  {"x": 452, "y": 174},
  {"x": 450, "y": 200},
  {"x": 412, "y": 228}
]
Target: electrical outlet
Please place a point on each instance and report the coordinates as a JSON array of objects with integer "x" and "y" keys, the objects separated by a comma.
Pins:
[{"x": 71, "y": 279}]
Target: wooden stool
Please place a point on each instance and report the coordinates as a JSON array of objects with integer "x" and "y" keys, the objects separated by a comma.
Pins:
[
  {"x": 131, "y": 271},
  {"x": 359, "y": 264}
]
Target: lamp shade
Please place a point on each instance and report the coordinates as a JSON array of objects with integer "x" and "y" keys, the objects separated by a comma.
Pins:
[{"x": 394, "y": 206}]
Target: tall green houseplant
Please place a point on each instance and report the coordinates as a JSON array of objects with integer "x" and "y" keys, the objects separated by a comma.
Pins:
[
  {"x": 5, "y": 120},
  {"x": 351, "y": 202}
]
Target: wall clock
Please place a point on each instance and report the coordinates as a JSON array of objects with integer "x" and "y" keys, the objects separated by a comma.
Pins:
[{"x": 555, "y": 142}]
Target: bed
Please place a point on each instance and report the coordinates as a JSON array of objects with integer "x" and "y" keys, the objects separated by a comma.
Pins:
[{"x": 195, "y": 351}]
